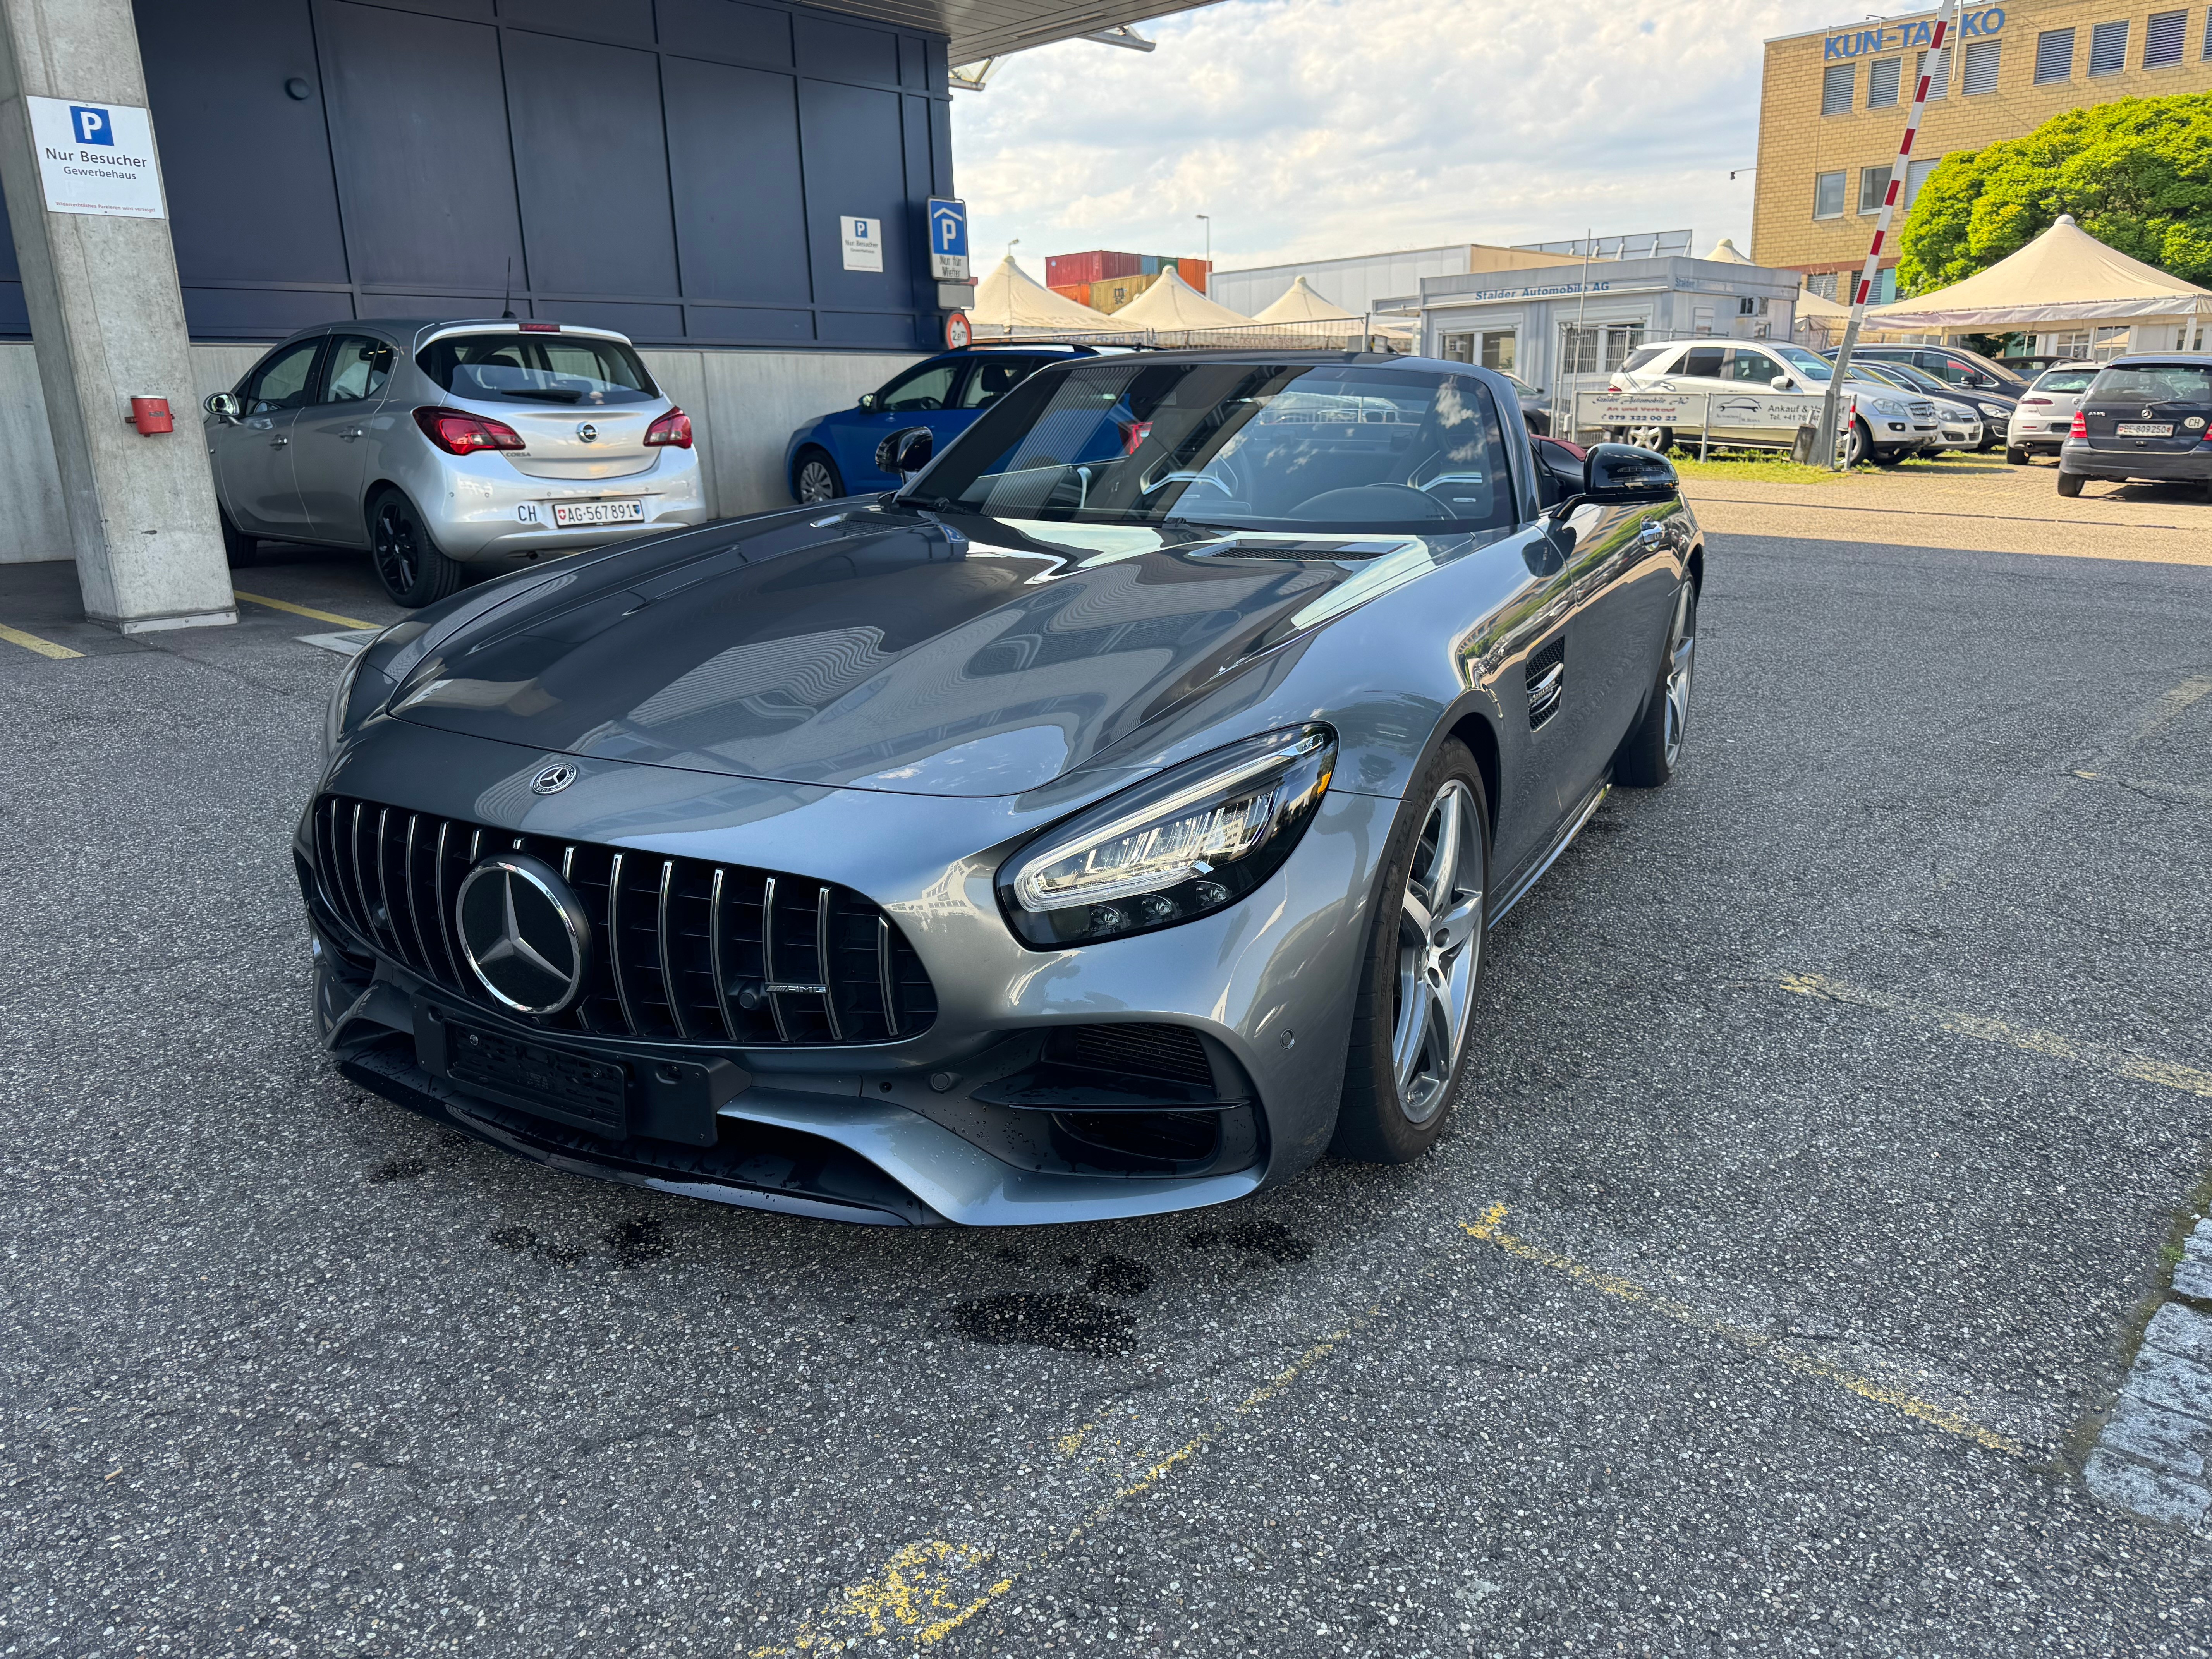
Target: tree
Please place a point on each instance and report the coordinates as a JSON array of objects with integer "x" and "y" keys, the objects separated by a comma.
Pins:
[{"x": 2136, "y": 174}]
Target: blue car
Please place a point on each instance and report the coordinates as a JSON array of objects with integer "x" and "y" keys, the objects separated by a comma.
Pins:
[{"x": 834, "y": 455}]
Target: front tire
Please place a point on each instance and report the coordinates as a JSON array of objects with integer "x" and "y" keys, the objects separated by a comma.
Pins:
[
  {"x": 2070, "y": 483},
  {"x": 815, "y": 479},
  {"x": 1659, "y": 438},
  {"x": 238, "y": 548},
  {"x": 1649, "y": 754},
  {"x": 1422, "y": 970},
  {"x": 1858, "y": 444},
  {"x": 409, "y": 564}
]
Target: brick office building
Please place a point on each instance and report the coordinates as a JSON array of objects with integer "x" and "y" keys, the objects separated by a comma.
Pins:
[{"x": 1833, "y": 104}]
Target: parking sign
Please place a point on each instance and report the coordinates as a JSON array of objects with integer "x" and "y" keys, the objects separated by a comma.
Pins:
[
  {"x": 96, "y": 159},
  {"x": 948, "y": 240},
  {"x": 863, "y": 241}
]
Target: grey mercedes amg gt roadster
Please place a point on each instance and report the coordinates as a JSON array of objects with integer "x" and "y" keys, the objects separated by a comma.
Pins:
[{"x": 1106, "y": 822}]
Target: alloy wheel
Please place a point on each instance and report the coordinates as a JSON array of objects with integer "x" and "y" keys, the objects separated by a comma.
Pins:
[
  {"x": 1439, "y": 949},
  {"x": 1681, "y": 663},
  {"x": 398, "y": 557},
  {"x": 815, "y": 483},
  {"x": 1646, "y": 437}
]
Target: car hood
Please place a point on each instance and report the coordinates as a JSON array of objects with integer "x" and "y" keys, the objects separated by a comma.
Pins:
[{"x": 883, "y": 650}]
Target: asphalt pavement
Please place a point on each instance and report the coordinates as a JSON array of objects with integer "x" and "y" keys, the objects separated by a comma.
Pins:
[{"x": 1829, "y": 1124}]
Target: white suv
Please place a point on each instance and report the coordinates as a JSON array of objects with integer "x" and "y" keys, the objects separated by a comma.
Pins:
[
  {"x": 2046, "y": 414},
  {"x": 1887, "y": 424}
]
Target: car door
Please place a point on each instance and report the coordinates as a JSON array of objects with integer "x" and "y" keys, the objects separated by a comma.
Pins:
[
  {"x": 926, "y": 395},
  {"x": 1700, "y": 369},
  {"x": 328, "y": 452},
  {"x": 991, "y": 376},
  {"x": 253, "y": 453},
  {"x": 1750, "y": 374}
]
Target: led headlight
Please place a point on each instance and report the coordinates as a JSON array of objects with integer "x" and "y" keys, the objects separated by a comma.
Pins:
[
  {"x": 1174, "y": 848},
  {"x": 334, "y": 717}
]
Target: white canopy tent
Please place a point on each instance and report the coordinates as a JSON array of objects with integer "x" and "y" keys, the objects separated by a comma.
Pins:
[
  {"x": 2064, "y": 276},
  {"x": 1171, "y": 303},
  {"x": 1011, "y": 303},
  {"x": 1727, "y": 252},
  {"x": 1298, "y": 303}
]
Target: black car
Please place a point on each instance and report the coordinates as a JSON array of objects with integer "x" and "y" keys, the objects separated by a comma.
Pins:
[
  {"x": 1958, "y": 368},
  {"x": 2142, "y": 418}
]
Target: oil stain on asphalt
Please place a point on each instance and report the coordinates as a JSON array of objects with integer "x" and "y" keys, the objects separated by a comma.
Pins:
[{"x": 1046, "y": 1319}]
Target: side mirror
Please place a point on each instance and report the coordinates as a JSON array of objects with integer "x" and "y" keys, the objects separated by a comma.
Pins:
[
  {"x": 1621, "y": 475},
  {"x": 867, "y": 400},
  {"x": 1780, "y": 383},
  {"x": 224, "y": 405},
  {"x": 906, "y": 451}
]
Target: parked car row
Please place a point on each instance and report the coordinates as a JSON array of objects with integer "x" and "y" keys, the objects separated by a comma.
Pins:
[{"x": 2143, "y": 416}]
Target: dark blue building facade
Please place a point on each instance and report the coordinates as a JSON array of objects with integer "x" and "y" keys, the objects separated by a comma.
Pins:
[{"x": 676, "y": 169}]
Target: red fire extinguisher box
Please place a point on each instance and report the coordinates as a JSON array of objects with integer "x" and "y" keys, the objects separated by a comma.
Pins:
[{"x": 151, "y": 415}]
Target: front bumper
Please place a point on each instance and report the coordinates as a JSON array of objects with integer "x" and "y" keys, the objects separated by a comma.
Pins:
[
  {"x": 2192, "y": 466},
  {"x": 918, "y": 1128}
]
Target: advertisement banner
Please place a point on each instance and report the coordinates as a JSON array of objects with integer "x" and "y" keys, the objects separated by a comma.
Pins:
[{"x": 1674, "y": 408}]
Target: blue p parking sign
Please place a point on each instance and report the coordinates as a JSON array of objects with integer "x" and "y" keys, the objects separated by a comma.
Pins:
[
  {"x": 93, "y": 125},
  {"x": 948, "y": 240}
]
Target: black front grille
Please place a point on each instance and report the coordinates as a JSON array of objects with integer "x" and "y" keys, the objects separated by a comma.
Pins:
[
  {"x": 1171, "y": 1053},
  {"x": 683, "y": 950}
]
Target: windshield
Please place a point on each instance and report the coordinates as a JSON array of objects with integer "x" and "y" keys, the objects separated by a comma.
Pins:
[
  {"x": 538, "y": 368},
  {"x": 1989, "y": 365},
  {"x": 2066, "y": 379},
  {"x": 2154, "y": 383},
  {"x": 1253, "y": 446},
  {"x": 1812, "y": 367}
]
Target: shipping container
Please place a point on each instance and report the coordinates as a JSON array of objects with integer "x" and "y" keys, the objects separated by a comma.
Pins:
[
  {"x": 1063, "y": 269},
  {"x": 1078, "y": 292},
  {"x": 1196, "y": 272}
]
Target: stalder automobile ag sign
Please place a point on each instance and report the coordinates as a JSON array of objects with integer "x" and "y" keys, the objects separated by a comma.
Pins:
[{"x": 96, "y": 159}]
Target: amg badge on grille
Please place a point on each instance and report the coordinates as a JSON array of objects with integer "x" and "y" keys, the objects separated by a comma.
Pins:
[{"x": 525, "y": 935}]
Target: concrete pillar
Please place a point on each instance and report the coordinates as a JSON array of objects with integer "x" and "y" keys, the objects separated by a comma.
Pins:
[{"x": 109, "y": 325}]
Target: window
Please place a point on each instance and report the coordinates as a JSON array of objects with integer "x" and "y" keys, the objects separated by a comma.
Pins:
[
  {"x": 2054, "y": 55},
  {"x": 1746, "y": 306},
  {"x": 1828, "y": 196},
  {"x": 1642, "y": 357},
  {"x": 919, "y": 391},
  {"x": 1298, "y": 446},
  {"x": 1874, "y": 185},
  {"x": 281, "y": 382},
  {"x": 2067, "y": 379},
  {"x": 1916, "y": 175},
  {"x": 1882, "y": 83},
  {"x": 357, "y": 370},
  {"x": 537, "y": 369},
  {"x": 1836, "y": 82},
  {"x": 1703, "y": 363},
  {"x": 1981, "y": 74},
  {"x": 994, "y": 377},
  {"x": 2207, "y": 32},
  {"x": 1701, "y": 322},
  {"x": 1936, "y": 66},
  {"x": 1822, "y": 283},
  {"x": 1598, "y": 350},
  {"x": 2163, "y": 38},
  {"x": 1751, "y": 367},
  {"x": 2108, "y": 48},
  {"x": 2073, "y": 344},
  {"x": 1498, "y": 348}
]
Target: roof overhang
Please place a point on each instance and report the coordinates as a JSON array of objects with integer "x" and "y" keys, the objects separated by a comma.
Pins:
[{"x": 992, "y": 28}]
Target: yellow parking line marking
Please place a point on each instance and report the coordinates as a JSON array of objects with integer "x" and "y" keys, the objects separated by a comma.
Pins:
[
  {"x": 927, "y": 1578},
  {"x": 1490, "y": 1230},
  {"x": 308, "y": 612},
  {"x": 32, "y": 642},
  {"x": 2151, "y": 787},
  {"x": 2143, "y": 1068}
]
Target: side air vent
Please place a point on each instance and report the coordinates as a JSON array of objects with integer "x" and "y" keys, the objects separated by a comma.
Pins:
[
  {"x": 1547, "y": 680},
  {"x": 1172, "y": 1053},
  {"x": 683, "y": 950}
]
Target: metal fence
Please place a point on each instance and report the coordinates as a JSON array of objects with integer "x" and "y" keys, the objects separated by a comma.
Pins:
[{"x": 1324, "y": 334}]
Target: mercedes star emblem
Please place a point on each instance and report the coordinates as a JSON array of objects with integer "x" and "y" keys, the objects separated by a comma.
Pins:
[
  {"x": 553, "y": 779},
  {"x": 523, "y": 932},
  {"x": 587, "y": 432}
]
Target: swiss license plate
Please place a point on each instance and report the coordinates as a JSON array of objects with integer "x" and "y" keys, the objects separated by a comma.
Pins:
[
  {"x": 569, "y": 513},
  {"x": 2145, "y": 429},
  {"x": 579, "y": 1089}
]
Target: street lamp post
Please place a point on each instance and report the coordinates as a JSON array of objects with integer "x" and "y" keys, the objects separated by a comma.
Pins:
[{"x": 1209, "y": 246}]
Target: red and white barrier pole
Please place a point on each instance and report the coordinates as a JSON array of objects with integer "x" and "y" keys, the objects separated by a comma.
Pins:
[{"x": 1831, "y": 405}]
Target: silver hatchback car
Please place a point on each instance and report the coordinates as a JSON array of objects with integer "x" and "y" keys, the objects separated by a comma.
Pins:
[{"x": 440, "y": 444}]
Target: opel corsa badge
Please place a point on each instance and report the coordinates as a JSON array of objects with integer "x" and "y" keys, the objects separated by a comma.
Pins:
[
  {"x": 523, "y": 932},
  {"x": 553, "y": 779}
]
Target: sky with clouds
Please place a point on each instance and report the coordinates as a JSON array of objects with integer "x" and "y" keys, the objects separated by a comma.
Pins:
[{"x": 1315, "y": 128}]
